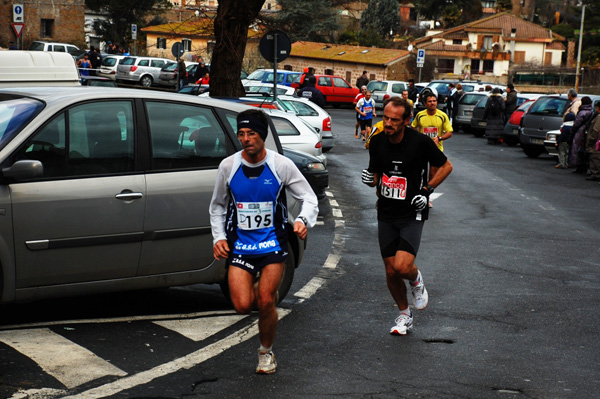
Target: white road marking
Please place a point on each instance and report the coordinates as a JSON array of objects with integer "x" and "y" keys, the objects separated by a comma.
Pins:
[
  {"x": 334, "y": 203},
  {"x": 332, "y": 261},
  {"x": 185, "y": 362},
  {"x": 337, "y": 213},
  {"x": 435, "y": 195},
  {"x": 202, "y": 328},
  {"x": 310, "y": 288},
  {"x": 64, "y": 360}
]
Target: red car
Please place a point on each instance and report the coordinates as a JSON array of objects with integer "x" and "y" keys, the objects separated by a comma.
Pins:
[
  {"x": 511, "y": 129},
  {"x": 335, "y": 89}
]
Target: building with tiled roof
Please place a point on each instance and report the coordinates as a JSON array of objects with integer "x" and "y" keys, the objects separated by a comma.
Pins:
[
  {"x": 196, "y": 35},
  {"x": 486, "y": 47},
  {"x": 349, "y": 61}
]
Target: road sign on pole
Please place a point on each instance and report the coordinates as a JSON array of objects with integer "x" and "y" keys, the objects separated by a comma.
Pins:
[
  {"x": 18, "y": 15},
  {"x": 134, "y": 31},
  {"x": 18, "y": 28},
  {"x": 421, "y": 56}
]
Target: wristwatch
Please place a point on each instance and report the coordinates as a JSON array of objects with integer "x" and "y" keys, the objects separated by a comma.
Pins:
[
  {"x": 303, "y": 220},
  {"x": 429, "y": 188}
]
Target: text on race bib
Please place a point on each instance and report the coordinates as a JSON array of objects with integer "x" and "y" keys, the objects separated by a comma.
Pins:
[
  {"x": 254, "y": 215},
  {"x": 393, "y": 187},
  {"x": 431, "y": 131}
]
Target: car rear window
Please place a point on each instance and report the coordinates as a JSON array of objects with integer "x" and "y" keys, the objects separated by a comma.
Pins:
[
  {"x": 128, "y": 61},
  {"x": 377, "y": 86},
  {"x": 15, "y": 114},
  {"x": 470, "y": 99},
  {"x": 109, "y": 62},
  {"x": 549, "y": 106}
]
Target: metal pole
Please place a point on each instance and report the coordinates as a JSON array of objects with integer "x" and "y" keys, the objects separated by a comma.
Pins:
[
  {"x": 420, "y": 75},
  {"x": 275, "y": 67},
  {"x": 579, "y": 51}
]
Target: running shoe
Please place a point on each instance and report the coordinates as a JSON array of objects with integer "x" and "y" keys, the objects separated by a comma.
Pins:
[
  {"x": 419, "y": 293},
  {"x": 404, "y": 323},
  {"x": 266, "y": 363}
]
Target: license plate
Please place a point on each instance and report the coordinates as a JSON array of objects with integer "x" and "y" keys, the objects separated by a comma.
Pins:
[
  {"x": 483, "y": 123},
  {"x": 468, "y": 113},
  {"x": 537, "y": 141},
  {"x": 516, "y": 131}
]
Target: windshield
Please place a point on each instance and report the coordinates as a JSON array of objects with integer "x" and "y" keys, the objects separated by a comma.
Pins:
[
  {"x": 470, "y": 99},
  {"x": 256, "y": 75},
  {"x": 171, "y": 67},
  {"x": 549, "y": 106},
  {"x": 15, "y": 113},
  {"x": 377, "y": 86},
  {"x": 441, "y": 87},
  {"x": 36, "y": 46}
]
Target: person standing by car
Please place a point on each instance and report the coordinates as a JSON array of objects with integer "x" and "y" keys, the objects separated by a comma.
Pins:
[
  {"x": 362, "y": 80},
  {"x": 84, "y": 65},
  {"x": 510, "y": 102},
  {"x": 450, "y": 100},
  {"x": 493, "y": 114},
  {"x": 366, "y": 110},
  {"x": 201, "y": 70},
  {"x": 412, "y": 90},
  {"x": 94, "y": 60},
  {"x": 398, "y": 163},
  {"x": 248, "y": 216},
  {"x": 312, "y": 93},
  {"x": 457, "y": 96},
  {"x": 593, "y": 146},
  {"x": 584, "y": 116},
  {"x": 181, "y": 73}
]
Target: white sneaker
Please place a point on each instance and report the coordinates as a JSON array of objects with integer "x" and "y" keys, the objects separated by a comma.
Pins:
[
  {"x": 404, "y": 323},
  {"x": 419, "y": 293},
  {"x": 266, "y": 363}
]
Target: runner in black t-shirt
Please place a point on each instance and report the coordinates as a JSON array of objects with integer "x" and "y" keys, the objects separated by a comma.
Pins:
[{"x": 398, "y": 167}]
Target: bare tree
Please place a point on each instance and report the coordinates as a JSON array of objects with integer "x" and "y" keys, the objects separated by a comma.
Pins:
[{"x": 233, "y": 19}]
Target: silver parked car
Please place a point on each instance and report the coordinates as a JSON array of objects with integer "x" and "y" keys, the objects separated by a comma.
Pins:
[
  {"x": 140, "y": 70},
  {"x": 108, "y": 189},
  {"x": 108, "y": 66},
  {"x": 464, "y": 113}
]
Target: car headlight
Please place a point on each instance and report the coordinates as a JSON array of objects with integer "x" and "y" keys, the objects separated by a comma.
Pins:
[
  {"x": 315, "y": 166},
  {"x": 551, "y": 136}
]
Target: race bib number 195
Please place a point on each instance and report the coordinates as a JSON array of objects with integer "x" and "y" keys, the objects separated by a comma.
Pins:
[
  {"x": 393, "y": 187},
  {"x": 254, "y": 215}
]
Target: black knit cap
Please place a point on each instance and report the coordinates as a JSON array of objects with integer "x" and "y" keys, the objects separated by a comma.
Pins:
[{"x": 254, "y": 123}]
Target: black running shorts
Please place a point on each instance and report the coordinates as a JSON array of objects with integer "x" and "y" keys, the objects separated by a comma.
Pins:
[
  {"x": 365, "y": 122},
  {"x": 255, "y": 264},
  {"x": 399, "y": 236}
]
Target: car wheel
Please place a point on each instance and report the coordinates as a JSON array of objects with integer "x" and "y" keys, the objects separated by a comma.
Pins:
[
  {"x": 146, "y": 81},
  {"x": 285, "y": 284},
  {"x": 532, "y": 152},
  {"x": 511, "y": 141}
]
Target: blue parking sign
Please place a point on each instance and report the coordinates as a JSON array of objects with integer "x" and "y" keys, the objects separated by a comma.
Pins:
[{"x": 18, "y": 15}]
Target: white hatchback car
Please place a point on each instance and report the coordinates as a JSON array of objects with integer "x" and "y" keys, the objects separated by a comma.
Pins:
[
  {"x": 316, "y": 116},
  {"x": 297, "y": 134},
  {"x": 108, "y": 66},
  {"x": 258, "y": 87}
]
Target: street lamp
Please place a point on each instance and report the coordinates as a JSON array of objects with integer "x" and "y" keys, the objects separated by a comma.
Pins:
[{"x": 579, "y": 51}]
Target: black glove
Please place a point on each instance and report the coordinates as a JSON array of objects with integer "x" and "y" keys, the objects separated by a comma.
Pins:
[
  {"x": 367, "y": 177},
  {"x": 421, "y": 200}
]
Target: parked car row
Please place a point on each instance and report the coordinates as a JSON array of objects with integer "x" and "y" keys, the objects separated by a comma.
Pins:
[{"x": 535, "y": 124}]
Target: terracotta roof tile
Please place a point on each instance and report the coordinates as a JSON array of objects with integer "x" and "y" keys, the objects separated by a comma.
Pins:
[
  {"x": 440, "y": 45},
  {"x": 502, "y": 24},
  {"x": 328, "y": 51}
]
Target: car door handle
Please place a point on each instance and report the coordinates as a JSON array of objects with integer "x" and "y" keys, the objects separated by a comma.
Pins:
[{"x": 128, "y": 195}]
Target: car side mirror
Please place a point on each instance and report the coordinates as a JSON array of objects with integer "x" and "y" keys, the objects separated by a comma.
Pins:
[{"x": 24, "y": 170}]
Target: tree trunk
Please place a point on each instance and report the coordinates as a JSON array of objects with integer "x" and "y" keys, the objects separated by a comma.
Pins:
[{"x": 231, "y": 33}]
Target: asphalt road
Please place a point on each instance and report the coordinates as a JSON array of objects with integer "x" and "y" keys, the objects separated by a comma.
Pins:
[{"x": 510, "y": 258}]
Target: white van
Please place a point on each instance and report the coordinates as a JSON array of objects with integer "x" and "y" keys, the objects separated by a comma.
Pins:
[
  {"x": 53, "y": 46},
  {"x": 37, "y": 68}
]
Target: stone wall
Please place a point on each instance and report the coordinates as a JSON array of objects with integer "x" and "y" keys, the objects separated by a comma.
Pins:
[{"x": 68, "y": 18}]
